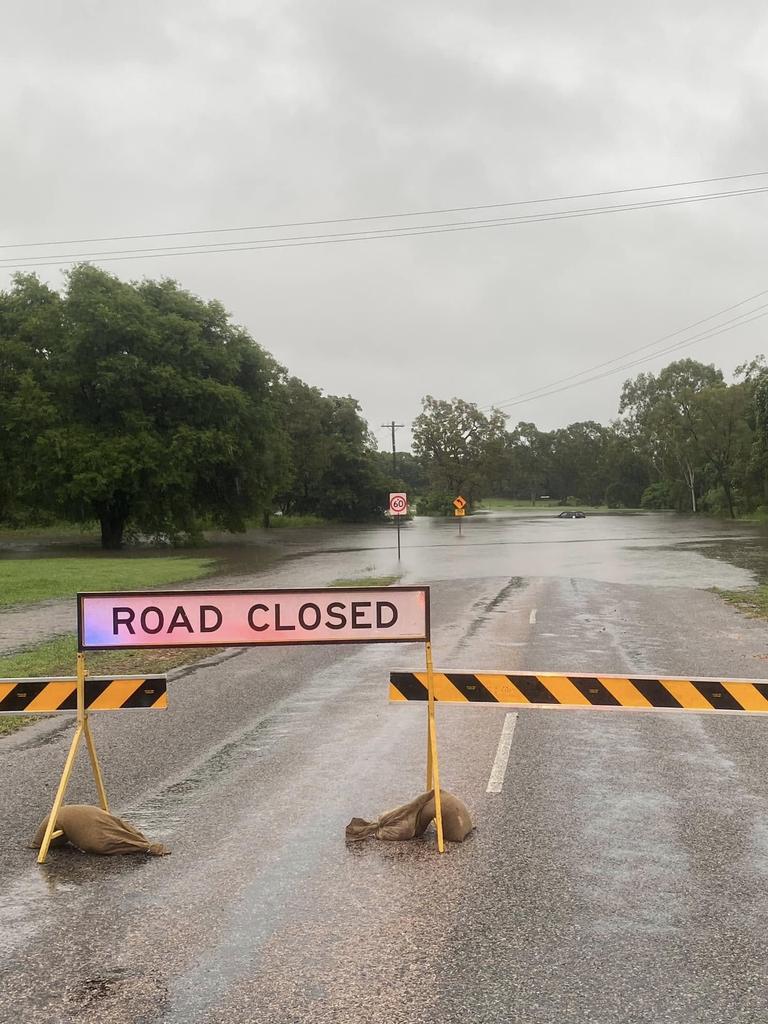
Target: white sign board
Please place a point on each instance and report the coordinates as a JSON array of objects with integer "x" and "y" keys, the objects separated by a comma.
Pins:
[
  {"x": 398, "y": 504},
  {"x": 240, "y": 618}
]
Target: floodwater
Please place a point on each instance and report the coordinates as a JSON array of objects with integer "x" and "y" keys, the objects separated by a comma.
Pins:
[{"x": 653, "y": 549}]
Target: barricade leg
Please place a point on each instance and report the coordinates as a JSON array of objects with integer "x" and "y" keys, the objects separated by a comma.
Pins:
[
  {"x": 61, "y": 792},
  {"x": 97, "y": 776},
  {"x": 429, "y": 754},
  {"x": 433, "y": 768}
]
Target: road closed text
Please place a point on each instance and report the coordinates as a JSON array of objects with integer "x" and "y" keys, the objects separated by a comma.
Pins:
[{"x": 242, "y": 618}]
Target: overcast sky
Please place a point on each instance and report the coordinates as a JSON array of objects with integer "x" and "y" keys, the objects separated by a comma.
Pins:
[{"x": 173, "y": 115}]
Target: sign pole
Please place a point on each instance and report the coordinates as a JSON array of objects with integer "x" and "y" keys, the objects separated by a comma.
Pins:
[
  {"x": 82, "y": 729},
  {"x": 433, "y": 768},
  {"x": 61, "y": 792},
  {"x": 398, "y": 506},
  {"x": 96, "y": 770}
]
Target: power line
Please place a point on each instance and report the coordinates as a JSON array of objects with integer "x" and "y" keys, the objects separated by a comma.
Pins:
[
  {"x": 208, "y": 249},
  {"x": 385, "y": 216},
  {"x": 533, "y": 393},
  {"x": 704, "y": 336}
]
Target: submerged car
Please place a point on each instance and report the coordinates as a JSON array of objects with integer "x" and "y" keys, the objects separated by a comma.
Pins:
[{"x": 571, "y": 515}]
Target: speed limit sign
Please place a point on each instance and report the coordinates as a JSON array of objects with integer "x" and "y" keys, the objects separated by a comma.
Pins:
[{"x": 398, "y": 504}]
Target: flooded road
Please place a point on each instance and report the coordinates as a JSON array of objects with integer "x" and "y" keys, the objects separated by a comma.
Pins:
[
  {"x": 649, "y": 549},
  {"x": 657, "y": 549},
  {"x": 616, "y": 878}
]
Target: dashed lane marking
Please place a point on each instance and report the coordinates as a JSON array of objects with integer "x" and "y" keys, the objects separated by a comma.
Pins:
[{"x": 499, "y": 769}]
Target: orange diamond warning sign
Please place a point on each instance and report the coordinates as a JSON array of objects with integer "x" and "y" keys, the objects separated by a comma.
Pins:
[{"x": 459, "y": 502}]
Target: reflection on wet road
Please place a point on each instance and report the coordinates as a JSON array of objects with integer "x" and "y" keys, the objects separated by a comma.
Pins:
[
  {"x": 650, "y": 549},
  {"x": 617, "y": 877}
]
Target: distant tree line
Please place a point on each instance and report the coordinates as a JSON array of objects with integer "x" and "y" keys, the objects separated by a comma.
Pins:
[
  {"x": 684, "y": 439},
  {"x": 142, "y": 407}
]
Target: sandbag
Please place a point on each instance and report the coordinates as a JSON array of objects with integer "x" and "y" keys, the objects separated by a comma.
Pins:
[
  {"x": 457, "y": 821},
  {"x": 401, "y": 823},
  {"x": 94, "y": 830}
]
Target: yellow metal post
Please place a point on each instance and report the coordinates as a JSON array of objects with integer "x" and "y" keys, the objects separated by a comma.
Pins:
[
  {"x": 60, "y": 794},
  {"x": 433, "y": 768},
  {"x": 82, "y": 730},
  {"x": 429, "y": 754},
  {"x": 97, "y": 777},
  {"x": 96, "y": 770}
]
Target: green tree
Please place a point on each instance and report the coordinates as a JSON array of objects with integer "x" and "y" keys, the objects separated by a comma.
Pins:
[
  {"x": 530, "y": 458},
  {"x": 657, "y": 417},
  {"x": 578, "y": 462},
  {"x": 158, "y": 409},
  {"x": 353, "y": 486},
  {"x": 754, "y": 375},
  {"x": 717, "y": 421},
  {"x": 30, "y": 326},
  {"x": 334, "y": 468},
  {"x": 626, "y": 472},
  {"x": 456, "y": 442},
  {"x": 303, "y": 413}
]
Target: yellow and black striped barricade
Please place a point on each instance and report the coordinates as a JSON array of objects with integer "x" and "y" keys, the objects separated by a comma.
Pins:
[
  {"x": 102, "y": 693},
  {"x": 579, "y": 690},
  {"x": 82, "y": 694}
]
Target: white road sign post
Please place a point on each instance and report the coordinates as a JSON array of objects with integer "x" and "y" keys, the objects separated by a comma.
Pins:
[{"x": 398, "y": 506}]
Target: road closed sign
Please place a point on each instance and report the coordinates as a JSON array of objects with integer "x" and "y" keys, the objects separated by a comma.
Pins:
[
  {"x": 398, "y": 504},
  {"x": 241, "y": 618}
]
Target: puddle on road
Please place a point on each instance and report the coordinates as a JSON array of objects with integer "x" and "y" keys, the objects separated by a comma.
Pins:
[
  {"x": 516, "y": 583},
  {"x": 162, "y": 814},
  {"x": 36, "y": 898}
]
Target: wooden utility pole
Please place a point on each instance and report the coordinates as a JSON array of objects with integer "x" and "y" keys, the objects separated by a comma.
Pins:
[{"x": 393, "y": 427}]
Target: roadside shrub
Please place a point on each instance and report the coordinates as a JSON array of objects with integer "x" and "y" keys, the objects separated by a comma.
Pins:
[
  {"x": 623, "y": 494},
  {"x": 435, "y": 505},
  {"x": 614, "y": 495},
  {"x": 657, "y": 496}
]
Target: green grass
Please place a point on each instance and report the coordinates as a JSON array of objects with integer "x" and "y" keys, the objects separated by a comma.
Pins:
[
  {"x": 751, "y": 602},
  {"x": 26, "y": 580},
  {"x": 505, "y": 504},
  {"x": 365, "y": 581},
  {"x": 51, "y": 531},
  {"x": 12, "y": 723},
  {"x": 285, "y": 522},
  {"x": 57, "y": 657},
  {"x": 502, "y": 504}
]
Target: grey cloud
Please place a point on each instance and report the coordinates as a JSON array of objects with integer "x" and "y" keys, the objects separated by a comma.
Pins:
[{"x": 165, "y": 115}]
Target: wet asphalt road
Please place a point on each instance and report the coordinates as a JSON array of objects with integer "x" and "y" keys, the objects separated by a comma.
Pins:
[{"x": 620, "y": 875}]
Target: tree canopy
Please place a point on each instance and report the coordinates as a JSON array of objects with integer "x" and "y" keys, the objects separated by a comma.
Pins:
[
  {"x": 684, "y": 439},
  {"x": 144, "y": 407}
]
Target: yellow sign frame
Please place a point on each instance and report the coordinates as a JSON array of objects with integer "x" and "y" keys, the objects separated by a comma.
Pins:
[{"x": 82, "y": 731}]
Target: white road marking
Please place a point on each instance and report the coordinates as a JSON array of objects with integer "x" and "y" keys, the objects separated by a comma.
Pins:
[
  {"x": 499, "y": 770},
  {"x": 532, "y": 616}
]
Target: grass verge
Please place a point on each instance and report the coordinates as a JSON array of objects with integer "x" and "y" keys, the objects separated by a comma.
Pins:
[
  {"x": 57, "y": 658},
  {"x": 751, "y": 602},
  {"x": 52, "y": 531},
  {"x": 365, "y": 581},
  {"x": 27, "y": 580},
  {"x": 284, "y": 522},
  {"x": 503, "y": 504}
]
